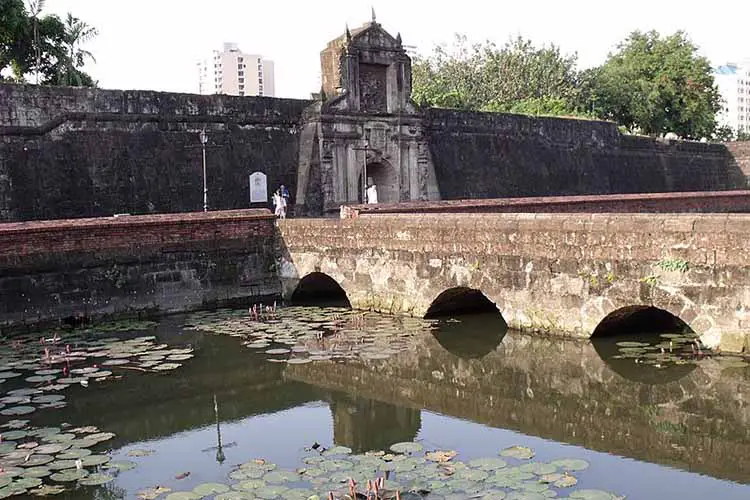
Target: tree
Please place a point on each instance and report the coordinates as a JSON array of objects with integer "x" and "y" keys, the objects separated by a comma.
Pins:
[
  {"x": 518, "y": 77},
  {"x": 12, "y": 27},
  {"x": 656, "y": 85},
  {"x": 43, "y": 45},
  {"x": 68, "y": 70}
]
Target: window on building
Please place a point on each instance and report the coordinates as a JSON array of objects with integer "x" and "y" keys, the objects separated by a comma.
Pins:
[
  {"x": 241, "y": 93},
  {"x": 240, "y": 67},
  {"x": 239, "y": 59}
]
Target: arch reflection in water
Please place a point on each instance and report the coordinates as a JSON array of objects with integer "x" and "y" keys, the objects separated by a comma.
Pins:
[
  {"x": 471, "y": 326},
  {"x": 647, "y": 345},
  {"x": 319, "y": 289},
  {"x": 364, "y": 424}
]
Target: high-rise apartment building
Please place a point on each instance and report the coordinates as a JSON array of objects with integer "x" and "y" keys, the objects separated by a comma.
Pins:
[
  {"x": 733, "y": 81},
  {"x": 233, "y": 72}
]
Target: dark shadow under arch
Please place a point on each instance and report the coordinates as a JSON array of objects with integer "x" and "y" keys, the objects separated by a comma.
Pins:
[
  {"x": 319, "y": 289},
  {"x": 640, "y": 320},
  {"x": 642, "y": 324},
  {"x": 472, "y": 325}
]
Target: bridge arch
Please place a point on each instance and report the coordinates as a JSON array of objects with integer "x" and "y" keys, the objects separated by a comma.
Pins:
[
  {"x": 640, "y": 319},
  {"x": 319, "y": 288},
  {"x": 480, "y": 329}
]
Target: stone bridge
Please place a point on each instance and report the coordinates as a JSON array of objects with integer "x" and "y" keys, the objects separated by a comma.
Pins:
[{"x": 565, "y": 274}]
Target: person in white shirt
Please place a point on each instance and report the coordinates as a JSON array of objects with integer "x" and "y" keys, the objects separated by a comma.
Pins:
[{"x": 371, "y": 193}]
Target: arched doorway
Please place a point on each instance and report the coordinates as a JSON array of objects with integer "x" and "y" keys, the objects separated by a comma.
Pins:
[{"x": 386, "y": 178}]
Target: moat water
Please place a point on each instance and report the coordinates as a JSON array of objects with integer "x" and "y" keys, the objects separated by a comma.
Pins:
[{"x": 230, "y": 399}]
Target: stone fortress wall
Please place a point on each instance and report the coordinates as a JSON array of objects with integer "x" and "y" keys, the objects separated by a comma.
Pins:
[{"x": 67, "y": 152}]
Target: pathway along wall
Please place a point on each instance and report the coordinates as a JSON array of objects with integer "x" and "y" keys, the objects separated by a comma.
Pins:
[
  {"x": 75, "y": 270},
  {"x": 557, "y": 273}
]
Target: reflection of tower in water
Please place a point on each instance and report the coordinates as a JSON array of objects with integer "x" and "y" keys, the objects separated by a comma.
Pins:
[{"x": 365, "y": 424}]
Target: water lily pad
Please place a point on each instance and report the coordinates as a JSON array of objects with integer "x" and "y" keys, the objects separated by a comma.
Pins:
[
  {"x": 488, "y": 464},
  {"x": 179, "y": 357},
  {"x": 100, "y": 374},
  {"x": 37, "y": 460},
  {"x": 5, "y": 481},
  {"x": 26, "y": 483},
  {"x": 406, "y": 447},
  {"x": 68, "y": 476},
  {"x": 337, "y": 450},
  {"x": 83, "y": 443},
  {"x": 182, "y": 495},
  {"x": 37, "y": 472},
  {"x": 519, "y": 452},
  {"x": 153, "y": 493},
  {"x": 37, "y": 379},
  {"x": 120, "y": 465},
  {"x": 298, "y": 361},
  {"x": 52, "y": 449},
  {"x": 167, "y": 366},
  {"x": 441, "y": 456},
  {"x": 63, "y": 437},
  {"x": 94, "y": 460},
  {"x": 270, "y": 491},
  {"x": 14, "y": 435},
  {"x": 249, "y": 485},
  {"x": 47, "y": 490},
  {"x": 96, "y": 479},
  {"x": 538, "y": 468},
  {"x": 571, "y": 464},
  {"x": 210, "y": 489},
  {"x": 7, "y": 375},
  {"x": 101, "y": 436},
  {"x": 48, "y": 398},
  {"x": 74, "y": 454},
  {"x": 17, "y": 410},
  {"x": 62, "y": 464},
  {"x": 278, "y": 351},
  {"x": 235, "y": 495},
  {"x": 15, "y": 424},
  {"x": 567, "y": 481},
  {"x": 280, "y": 477}
]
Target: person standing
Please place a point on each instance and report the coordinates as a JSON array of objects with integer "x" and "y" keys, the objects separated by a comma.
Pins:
[{"x": 371, "y": 192}]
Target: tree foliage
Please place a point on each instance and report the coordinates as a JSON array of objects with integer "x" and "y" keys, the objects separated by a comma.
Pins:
[
  {"x": 650, "y": 84},
  {"x": 517, "y": 77},
  {"x": 42, "y": 48},
  {"x": 656, "y": 85}
]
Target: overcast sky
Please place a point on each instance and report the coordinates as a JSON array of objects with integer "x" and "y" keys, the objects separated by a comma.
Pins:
[{"x": 155, "y": 44}]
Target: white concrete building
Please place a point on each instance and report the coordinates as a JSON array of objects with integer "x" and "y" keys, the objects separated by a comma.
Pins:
[
  {"x": 733, "y": 81},
  {"x": 233, "y": 72}
]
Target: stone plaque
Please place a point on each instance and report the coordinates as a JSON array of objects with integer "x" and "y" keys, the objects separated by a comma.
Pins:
[{"x": 258, "y": 188}]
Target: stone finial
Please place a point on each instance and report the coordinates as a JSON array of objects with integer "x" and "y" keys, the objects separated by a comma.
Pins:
[
  {"x": 348, "y": 33},
  {"x": 398, "y": 39},
  {"x": 374, "y": 19}
]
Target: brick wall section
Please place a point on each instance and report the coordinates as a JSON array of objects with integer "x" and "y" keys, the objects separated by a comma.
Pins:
[
  {"x": 127, "y": 232},
  {"x": 705, "y": 202},
  {"x": 132, "y": 265}
]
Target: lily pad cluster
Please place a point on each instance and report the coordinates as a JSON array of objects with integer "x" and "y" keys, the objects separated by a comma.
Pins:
[
  {"x": 407, "y": 469},
  {"x": 48, "y": 460},
  {"x": 35, "y": 371},
  {"x": 672, "y": 349},
  {"x": 298, "y": 335}
]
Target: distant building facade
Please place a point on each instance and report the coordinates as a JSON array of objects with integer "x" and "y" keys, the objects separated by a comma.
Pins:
[
  {"x": 733, "y": 81},
  {"x": 233, "y": 72}
]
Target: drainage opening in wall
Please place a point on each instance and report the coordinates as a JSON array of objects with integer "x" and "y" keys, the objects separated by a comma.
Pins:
[
  {"x": 469, "y": 325},
  {"x": 647, "y": 345},
  {"x": 319, "y": 289}
]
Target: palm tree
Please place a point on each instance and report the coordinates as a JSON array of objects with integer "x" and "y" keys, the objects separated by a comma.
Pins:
[
  {"x": 35, "y": 8},
  {"x": 77, "y": 33}
]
